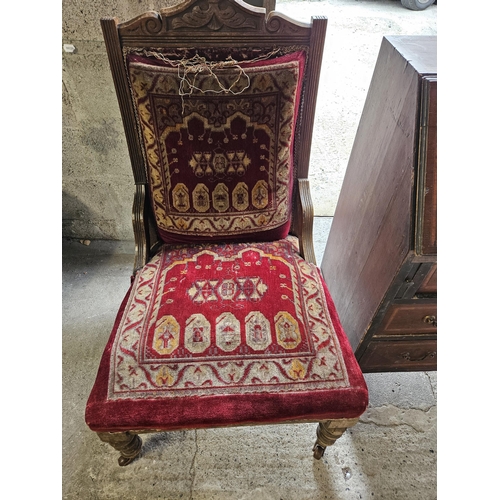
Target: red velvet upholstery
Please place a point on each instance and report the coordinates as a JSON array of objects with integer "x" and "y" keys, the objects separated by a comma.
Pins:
[
  {"x": 226, "y": 324},
  {"x": 220, "y": 163},
  {"x": 212, "y": 335}
]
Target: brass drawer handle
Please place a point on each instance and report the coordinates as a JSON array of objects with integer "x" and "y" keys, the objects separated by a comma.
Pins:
[
  {"x": 407, "y": 357},
  {"x": 432, "y": 320}
]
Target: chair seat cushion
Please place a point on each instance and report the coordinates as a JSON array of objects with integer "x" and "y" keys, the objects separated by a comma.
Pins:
[{"x": 226, "y": 334}]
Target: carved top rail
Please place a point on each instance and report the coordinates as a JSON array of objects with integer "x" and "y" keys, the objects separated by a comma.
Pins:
[{"x": 213, "y": 22}]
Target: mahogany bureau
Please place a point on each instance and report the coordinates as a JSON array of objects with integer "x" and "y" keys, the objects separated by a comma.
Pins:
[{"x": 380, "y": 261}]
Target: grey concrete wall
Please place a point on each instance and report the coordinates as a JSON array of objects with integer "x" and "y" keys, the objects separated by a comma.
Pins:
[
  {"x": 97, "y": 182},
  {"x": 97, "y": 177}
]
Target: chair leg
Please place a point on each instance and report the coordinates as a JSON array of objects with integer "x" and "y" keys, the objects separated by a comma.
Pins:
[
  {"x": 128, "y": 444},
  {"x": 328, "y": 432}
]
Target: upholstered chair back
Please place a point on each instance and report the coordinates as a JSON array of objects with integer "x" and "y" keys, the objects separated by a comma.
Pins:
[
  {"x": 217, "y": 131},
  {"x": 218, "y": 101}
]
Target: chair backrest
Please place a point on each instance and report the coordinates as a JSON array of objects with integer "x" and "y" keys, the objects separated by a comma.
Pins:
[{"x": 217, "y": 100}]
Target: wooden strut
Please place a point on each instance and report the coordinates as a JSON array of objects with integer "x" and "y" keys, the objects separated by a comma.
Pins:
[
  {"x": 328, "y": 431},
  {"x": 128, "y": 444}
]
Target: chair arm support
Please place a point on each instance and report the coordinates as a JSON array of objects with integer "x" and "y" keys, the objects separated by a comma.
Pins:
[
  {"x": 304, "y": 218},
  {"x": 139, "y": 223}
]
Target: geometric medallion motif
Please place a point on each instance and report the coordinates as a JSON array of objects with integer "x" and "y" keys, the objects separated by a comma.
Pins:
[
  {"x": 201, "y": 198},
  {"x": 219, "y": 163},
  {"x": 287, "y": 330},
  {"x": 237, "y": 144},
  {"x": 219, "y": 200},
  {"x": 220, "y": 197},
  {"x": 260, "y": 197},
  {"x": 197, "y": 334},
  {"x": 234, "y": 318},
  {"x": 240, "y": 196},
  {"x": 166, "y": 338},
  {"x": 180, "y": 195},
  {"x": 228, "y": 332},
  {"x": 258, "y": 331},
  {"x": 248, "y": 288}
]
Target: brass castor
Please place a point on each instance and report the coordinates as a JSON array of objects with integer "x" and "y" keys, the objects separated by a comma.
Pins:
[
  {"x": 328, "y": 431},
  {"x": 136, "y": 444},
  {"x": 319, "y": 451},
  {"x": 127, "y": 443},
  {"x": 123, "y": 461}
]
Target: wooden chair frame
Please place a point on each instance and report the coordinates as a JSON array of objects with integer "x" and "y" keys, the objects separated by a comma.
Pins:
[{"x": 227, "y": 23}]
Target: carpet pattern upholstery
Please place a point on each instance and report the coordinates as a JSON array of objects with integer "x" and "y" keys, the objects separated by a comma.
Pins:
[
  {"x": 242, "y": 332},
  {"x": 219, "y": 151}
]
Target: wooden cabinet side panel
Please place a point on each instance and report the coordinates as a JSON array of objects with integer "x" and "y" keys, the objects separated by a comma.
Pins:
[{"x": 370, "y": 233}]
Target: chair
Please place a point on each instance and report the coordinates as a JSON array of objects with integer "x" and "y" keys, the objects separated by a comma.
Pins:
[{"x": 227, "y": 321}]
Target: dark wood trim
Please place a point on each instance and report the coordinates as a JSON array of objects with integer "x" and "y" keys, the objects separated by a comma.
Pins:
[
  {"x": 303, "y": 218},
  {"x": 139, "y": 222},
  {"x": 204, "y": 23},
  {"x": 217, "y": 24},
  {"x": 426, "y": 227},
  {"x": 308, "y": 109},
  {"x": 118, "y": 71},
  {"x": 413, "y": 279},
  {"x": 429, "y": 283},
  {"x": 127, "y": 443}
]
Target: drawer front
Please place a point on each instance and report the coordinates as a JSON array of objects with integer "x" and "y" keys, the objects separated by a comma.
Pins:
[
  {"x": 403, "y": 355},
  {"x": 429, "y": 285},
  {"x": 414, "y": 317}
]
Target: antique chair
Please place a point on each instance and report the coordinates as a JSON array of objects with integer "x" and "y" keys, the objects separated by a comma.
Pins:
[{"x": 227, "y": 321}]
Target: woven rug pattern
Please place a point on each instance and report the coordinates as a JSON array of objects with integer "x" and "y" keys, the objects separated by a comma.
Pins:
[{"x": 241, "y": 318}]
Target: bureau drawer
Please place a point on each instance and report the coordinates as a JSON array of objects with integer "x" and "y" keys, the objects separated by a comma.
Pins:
[
  {"x": 429, "y": 284},
  {"x": 401, "y": 355},
  {"x": 415, "y": 317}
]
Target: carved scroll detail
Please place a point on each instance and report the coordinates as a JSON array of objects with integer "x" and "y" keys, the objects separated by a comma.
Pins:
[
  {"x": 149, "y": 23},
  {"x": 280, "y": 25},
  {"x": 153, "y": 25},
  {"x": 214, "y": 16}
]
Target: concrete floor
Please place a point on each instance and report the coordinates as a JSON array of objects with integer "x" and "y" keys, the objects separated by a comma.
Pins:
[{"x": 389, "y": 454}]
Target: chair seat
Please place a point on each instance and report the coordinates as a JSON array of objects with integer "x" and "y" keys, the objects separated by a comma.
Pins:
[{"x": 227, "y": 334}]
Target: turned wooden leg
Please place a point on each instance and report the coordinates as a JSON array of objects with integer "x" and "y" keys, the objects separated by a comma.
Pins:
[
  {"x": 328, "y": 432},
  {"x": 128, "y": 444}
]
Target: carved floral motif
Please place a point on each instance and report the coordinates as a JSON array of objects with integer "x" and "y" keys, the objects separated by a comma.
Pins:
[{"x": 213, "y": 15}]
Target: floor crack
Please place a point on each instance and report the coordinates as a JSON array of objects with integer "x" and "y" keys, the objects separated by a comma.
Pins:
[
  {"x": 432, "y": 387},
  {"x": 192, "y": 468},
  {"x": 390, "y": 416}
]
